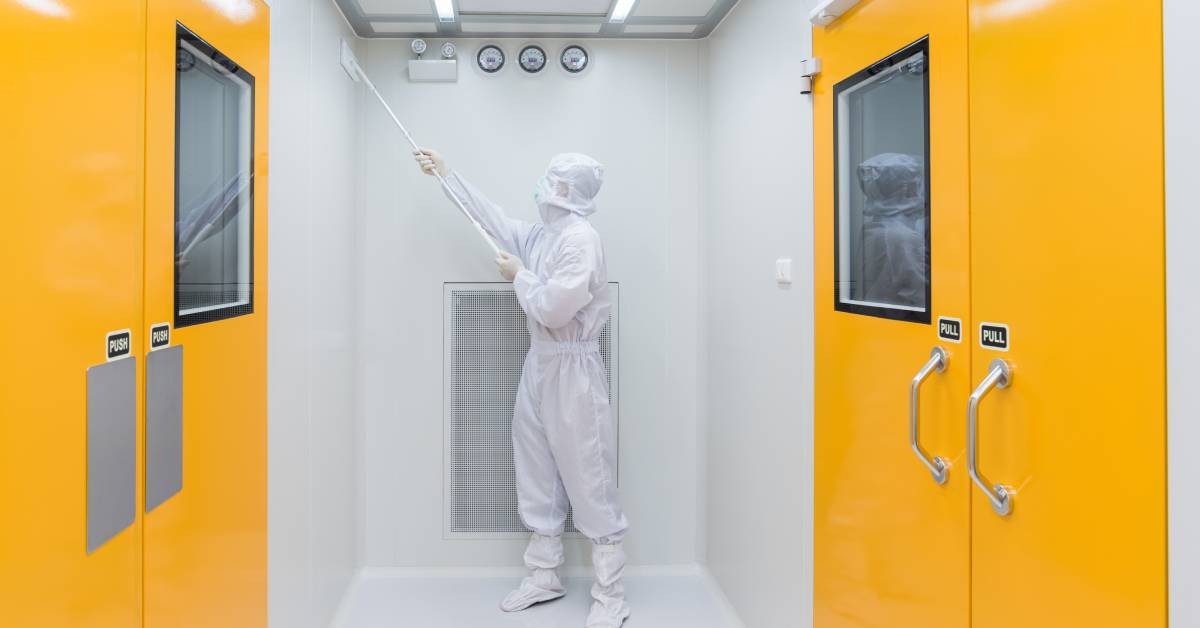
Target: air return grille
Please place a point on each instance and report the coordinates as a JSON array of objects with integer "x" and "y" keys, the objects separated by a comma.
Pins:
[{"x": 486, "y": 342}]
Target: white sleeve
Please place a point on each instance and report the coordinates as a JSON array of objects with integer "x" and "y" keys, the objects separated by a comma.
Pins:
[
  {"x": 555, "y": 301},
  {"x": 510, "y": 235}
]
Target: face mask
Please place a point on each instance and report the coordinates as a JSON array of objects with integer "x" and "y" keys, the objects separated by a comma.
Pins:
[{"x": 543, "y": 192}]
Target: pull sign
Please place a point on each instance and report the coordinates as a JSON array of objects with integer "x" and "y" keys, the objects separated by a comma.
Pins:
[
  {"x": 117, "y": 344},
  {"x": 993, "y": 336},
  {"x": 950, "y": 328},
  {"x": 160, "y": 336}
]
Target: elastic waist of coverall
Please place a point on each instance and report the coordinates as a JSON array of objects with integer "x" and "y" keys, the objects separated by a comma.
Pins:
[{"x": 576, "y": 347}]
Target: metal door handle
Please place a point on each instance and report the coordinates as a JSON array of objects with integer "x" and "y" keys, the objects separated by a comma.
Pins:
[
  {"x": 999, "y": 376},
  {"x": 938, "y": 467}
]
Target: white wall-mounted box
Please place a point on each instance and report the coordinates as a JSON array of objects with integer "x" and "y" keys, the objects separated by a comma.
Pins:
[{"x": 433, "y": 71}]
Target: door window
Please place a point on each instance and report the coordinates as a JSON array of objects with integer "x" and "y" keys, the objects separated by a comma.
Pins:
[
  {"x": 214, "y": 185},
  {"x": 881, "y": 192}
]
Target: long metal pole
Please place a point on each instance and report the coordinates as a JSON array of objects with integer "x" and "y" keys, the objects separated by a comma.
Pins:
[{"x": 446, "y": 186}]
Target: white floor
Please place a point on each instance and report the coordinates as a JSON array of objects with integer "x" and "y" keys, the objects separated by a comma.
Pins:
[{"x": 685, "y": 597}]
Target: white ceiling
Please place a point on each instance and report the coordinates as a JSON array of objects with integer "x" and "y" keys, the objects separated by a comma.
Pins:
[
  {"x": 396, "y": 7},
  {"x": 404, "y": 27},
  {"x": 520, "y": 28},
  {"x": 528, "y": 7},
  {"x": 650, "y": 29},
  {"x": 659, "y": 19},
  {"x": 674, "y": 8}
]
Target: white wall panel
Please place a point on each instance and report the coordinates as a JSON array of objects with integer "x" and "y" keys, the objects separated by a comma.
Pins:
[
  {"x": 314, "y": 270},
  {"x": 637, "y": 111},
  {"x": 1182, "y": 21},
  {"x": 758, "y": 336}
]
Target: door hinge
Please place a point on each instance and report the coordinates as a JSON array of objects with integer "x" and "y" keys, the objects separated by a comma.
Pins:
[{"x": 808, "y": 69}]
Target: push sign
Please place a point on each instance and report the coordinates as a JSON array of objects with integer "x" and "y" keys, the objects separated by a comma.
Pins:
[
  {"x": 950, "y": 328},
  {"x": 117, "y": 344},
  {"x": 993, "y": 336},
  {"x": 160, "y": 336}
]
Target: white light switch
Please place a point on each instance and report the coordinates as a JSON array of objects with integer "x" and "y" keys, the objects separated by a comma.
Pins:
[{"x": 783, "y": 271}]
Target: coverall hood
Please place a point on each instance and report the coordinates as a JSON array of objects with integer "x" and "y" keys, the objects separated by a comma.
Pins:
[
  {"x": 571, "y": 184},
  {"x": 894, "y": 184}
]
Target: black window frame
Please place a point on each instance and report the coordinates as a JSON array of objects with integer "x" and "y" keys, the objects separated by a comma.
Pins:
[
  {"x": 890, "y": 313},
  {"x": 183, "y": 33}
]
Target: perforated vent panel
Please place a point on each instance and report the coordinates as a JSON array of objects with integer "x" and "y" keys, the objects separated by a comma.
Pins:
[{"x": 486, "y": 342}]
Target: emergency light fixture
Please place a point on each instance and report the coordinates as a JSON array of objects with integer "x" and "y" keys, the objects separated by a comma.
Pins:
[
  {"x": 621, "y": 11},
  {"x": 445, "y": 10}
]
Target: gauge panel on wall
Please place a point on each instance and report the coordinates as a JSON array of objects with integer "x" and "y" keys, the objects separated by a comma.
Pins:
[
  {"x": 574, "y": 59},
  {"x": 533, "y": 58},
  {"x": 490, "y": 58}
]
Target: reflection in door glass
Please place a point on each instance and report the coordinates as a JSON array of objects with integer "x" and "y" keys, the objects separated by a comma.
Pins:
[
  {"x": 882, "y": 190},
  {"x": 214, "y": 109}
]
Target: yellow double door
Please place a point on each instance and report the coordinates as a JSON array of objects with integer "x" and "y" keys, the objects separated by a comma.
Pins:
[
  {"x": 133, "y": 389},
  {"x": 985, "y": 191}
]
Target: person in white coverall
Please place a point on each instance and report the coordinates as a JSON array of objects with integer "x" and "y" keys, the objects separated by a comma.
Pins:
[{"x": 564, "y": 444}]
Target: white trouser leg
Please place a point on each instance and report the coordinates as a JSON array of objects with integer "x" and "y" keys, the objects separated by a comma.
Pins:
[
  {"x": 579, "y": 427},
  {"x": 609, "y": 609},
  {"x": 541, "y": 497}
]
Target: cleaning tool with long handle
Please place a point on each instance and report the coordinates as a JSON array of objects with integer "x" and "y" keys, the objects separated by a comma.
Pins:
[{"x": 356, "y": 72}]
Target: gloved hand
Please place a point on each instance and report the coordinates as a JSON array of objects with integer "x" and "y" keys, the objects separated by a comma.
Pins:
[
  {"x": 430, "y": 161},
  {"x": 509, "y": 266}
]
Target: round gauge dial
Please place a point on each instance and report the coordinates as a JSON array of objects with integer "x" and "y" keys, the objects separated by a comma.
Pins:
[
  {"x": 574, "y": 59},
  {"x": 419, "y": 46},
  {"x": 449, "y": 50},
  {"x": 533, "y": 59},
  {"x": 491, "y": 59}
]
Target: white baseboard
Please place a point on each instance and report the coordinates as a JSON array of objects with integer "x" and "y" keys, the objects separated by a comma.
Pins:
[
  {"x": 718, "y": 593},
  {"x": 343, "y": 609},
  {"x": 580, "y": 571}
]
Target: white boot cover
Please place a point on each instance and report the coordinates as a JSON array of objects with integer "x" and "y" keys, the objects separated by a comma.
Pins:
[
  {"x": 609, "y": 609},
  {"x": 543, "y": 557}
]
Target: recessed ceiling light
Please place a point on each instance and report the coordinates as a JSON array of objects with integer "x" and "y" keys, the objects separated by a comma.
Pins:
[
  {"x": 445, "y": 10},
  {"x": 621, "y": 11}
]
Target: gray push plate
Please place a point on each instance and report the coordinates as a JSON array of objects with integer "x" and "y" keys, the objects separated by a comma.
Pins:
[
  {"x": 111, "y": 450},
  {"x": 164, "y": 425}
]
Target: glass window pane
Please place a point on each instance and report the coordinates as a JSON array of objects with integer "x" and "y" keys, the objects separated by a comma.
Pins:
[
  {"x": 214, "y": 188},
  {"x": 881, "y": 122}
]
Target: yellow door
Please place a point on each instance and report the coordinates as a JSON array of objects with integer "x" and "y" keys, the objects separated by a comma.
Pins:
[
  {"x": 70, "y": 533},
  {"x": 891, "y": 543},
  {"x": 206, "y": 233},
  {"x": 1067, "y": 250}
]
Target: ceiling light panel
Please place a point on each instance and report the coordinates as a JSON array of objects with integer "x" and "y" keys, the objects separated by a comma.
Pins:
[
  {"x": 404, "y": 27},
  {"x": 666, "y": 29},
  {"x": 674, "y": 8},
  {"x": 396, "y": 7},
  {"x": 504, "y": 27},
  {"x": 535, "y": 7}
]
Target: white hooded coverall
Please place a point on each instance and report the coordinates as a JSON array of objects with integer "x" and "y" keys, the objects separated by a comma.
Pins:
[{"x": 564, "y": 442}]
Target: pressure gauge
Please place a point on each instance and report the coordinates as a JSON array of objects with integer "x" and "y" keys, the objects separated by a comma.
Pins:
[
  {"x": 419, "y": 46},
  {"x": 449, "y": 50},
  {"x": 490, "y": 59},
  {"x": 533, "y": 59},
  {"x": 574, "y": 59}
]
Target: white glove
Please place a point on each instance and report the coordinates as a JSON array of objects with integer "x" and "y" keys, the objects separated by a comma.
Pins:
[
  {"x": 509, "y": 266},
  {"x": 430, "y": 161}
]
